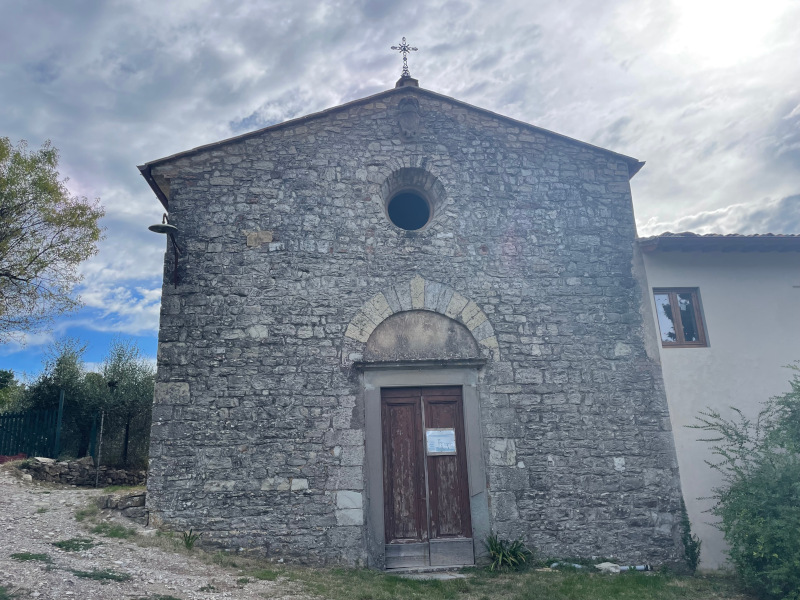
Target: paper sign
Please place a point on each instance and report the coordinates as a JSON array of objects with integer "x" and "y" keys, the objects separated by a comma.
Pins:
[{"x": 441, "y": 441}]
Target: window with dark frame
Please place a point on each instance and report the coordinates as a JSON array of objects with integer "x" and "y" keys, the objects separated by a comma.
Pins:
[{"x": 679, "y": 318}]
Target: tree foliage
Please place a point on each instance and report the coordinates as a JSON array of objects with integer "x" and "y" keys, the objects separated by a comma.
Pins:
[
  {"x": 45, "y": 233},
  {"x": 64, "y": 369},
  {"x": 131, "y": 396},
  {"x": 126, "y": 404},
  {"x": 11, "y": 391},
  {"x": 759, "y": 504}
]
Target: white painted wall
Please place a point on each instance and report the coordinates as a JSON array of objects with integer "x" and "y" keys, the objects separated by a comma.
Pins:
[{"x": 751, "y": 308}]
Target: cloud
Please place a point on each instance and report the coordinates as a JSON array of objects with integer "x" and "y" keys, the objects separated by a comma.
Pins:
[
  {"x": 124, "y": 309},
  {"x": 770, "y": 216},
  {"x": 24, "y": 340}
]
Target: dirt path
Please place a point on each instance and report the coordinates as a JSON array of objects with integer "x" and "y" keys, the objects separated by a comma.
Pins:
[{"x": 33, "y": 516}]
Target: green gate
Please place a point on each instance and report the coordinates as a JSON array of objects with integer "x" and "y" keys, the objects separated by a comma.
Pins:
[{"x": 35, "y": 433}]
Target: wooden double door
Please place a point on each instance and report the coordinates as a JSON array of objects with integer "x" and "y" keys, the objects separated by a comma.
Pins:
[{"x": 426, "y": 493}]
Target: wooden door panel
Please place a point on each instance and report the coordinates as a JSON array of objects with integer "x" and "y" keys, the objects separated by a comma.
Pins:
[
  {"x": 447, "y": 474},
  {"x": 405, "y": 513}
]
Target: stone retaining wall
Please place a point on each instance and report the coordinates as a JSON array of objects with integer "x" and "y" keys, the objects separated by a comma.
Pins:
[
  {"x": 80, "y": 472},
  {"x": 131, "y": 505}
]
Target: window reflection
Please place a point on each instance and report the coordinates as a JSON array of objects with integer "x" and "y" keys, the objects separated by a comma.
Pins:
[
  {"x": 665, "y": 321},
  {"x": 687, "y": 318}
]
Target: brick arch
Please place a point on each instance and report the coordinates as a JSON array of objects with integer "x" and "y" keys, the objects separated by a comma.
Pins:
[{"x": 417, "y": 294}]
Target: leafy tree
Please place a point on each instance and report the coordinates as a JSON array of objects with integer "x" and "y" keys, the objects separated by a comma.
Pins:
[
  {"x": 11, "y": 391},
  {"x": 127, "y": 403},
  {"x": 131, "y": 393},
  {"x": 45, "y": 233},
  {"x": 64, "y": 369},
  {"x": 759, "y": 505}
]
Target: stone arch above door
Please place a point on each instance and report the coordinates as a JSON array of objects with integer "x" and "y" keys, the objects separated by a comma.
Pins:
[{"x": 417, "y": 295}]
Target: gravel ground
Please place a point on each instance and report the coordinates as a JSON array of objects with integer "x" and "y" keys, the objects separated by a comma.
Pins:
[{"x": 34, "y": 515}]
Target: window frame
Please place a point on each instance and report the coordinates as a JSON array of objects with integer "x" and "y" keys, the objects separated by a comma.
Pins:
[{"x": 680, "y": 342}]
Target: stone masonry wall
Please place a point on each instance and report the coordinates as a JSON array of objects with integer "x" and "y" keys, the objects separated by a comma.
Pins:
[
  {"x": 258, "y": 419},
  {"x": 80, "y": 472}
]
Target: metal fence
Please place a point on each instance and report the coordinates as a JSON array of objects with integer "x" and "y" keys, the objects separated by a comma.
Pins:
[{"x": 35, "y": 433}]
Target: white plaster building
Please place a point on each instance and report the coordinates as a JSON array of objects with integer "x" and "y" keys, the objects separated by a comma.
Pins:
[{"x": 740, "y": 302}]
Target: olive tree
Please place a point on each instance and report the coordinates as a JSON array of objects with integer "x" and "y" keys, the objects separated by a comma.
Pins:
[{"x": 45, "y": 233}]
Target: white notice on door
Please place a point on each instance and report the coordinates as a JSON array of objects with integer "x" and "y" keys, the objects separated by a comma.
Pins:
[{"x": 440, "y": 441}]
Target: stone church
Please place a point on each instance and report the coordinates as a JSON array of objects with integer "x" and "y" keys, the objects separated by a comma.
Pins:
[{"x": 391, "y": 328}]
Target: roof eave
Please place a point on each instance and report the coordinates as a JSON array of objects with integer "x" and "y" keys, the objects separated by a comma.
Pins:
[
  {"x": 719, "y": 244},
  {"x": 145, "y": 171}
]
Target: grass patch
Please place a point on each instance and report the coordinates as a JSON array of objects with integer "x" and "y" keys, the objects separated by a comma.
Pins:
[
  {"x": 264, "y": 574},
  {"x": 243, "y": 581},
  {"x": 6, "y": 594},
  {"x": 88, "y": 512},
  {"x": 113, "y": 530},
  {"x": 104, "y": 575},
  {"x": 208, "y": 588},
  {"x": 75, "y": 544},
  {"x": 24, "y": 556},
  {"x": 41, "y": 510},
  {"x": 113, "y": 489},
  {"x": 363, "y": 584}
]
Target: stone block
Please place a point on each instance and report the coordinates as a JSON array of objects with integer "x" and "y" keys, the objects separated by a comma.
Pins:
[
  {"x": 502, "y": 452},
  {"x": 349, "y": 516},
  {"x": 349, "y": 478},
  {"x": 134, "y": 512},
  {"x": 176, "y": 392},
  {"x": 456, "y": 305},
  {"x": 256, "y": 239},
  {"x": 132, "y": 500},
  {"x": 347, "y": 499},
  {"x": 417, "y": 293},
  {"x": 299, "y": 485}
]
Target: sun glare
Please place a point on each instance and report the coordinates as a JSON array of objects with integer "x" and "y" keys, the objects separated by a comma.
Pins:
[{"x": 722, "y": 33}]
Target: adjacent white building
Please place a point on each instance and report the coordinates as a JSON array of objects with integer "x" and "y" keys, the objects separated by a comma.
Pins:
[{"x": 726, "y": 311}]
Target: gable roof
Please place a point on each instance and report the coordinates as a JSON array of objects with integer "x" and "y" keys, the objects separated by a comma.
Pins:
[
  {"x": 711, "y": 242},
  {"x": 634, "y": 165}
]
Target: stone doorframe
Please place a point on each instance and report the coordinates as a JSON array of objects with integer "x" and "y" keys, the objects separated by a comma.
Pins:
[{"x": 422, "y": 374}]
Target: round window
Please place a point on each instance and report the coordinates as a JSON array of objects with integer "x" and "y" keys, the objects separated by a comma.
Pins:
[{"x": 409, "y": 210}]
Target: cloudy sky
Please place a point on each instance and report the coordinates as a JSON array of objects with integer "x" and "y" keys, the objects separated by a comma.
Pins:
[{"x": 706, "y": 91}]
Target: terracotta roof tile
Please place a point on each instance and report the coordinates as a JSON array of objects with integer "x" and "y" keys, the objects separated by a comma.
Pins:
[{"x": 725, "y": 242}]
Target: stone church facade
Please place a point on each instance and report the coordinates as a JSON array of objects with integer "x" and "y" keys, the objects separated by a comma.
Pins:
[{"x": 399, "y": 325}]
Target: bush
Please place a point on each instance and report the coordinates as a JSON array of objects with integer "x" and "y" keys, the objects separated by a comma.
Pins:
[
  {"x": 691, "y": 543},
  {"x": 759, "y": 505},
  {"x": 507, "y": 555}
]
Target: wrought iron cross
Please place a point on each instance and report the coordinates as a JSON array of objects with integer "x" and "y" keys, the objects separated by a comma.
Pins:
[{"x": 404, "y": 48}]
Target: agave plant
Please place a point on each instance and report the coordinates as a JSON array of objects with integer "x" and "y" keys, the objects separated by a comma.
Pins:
[{"x": 506, "y": 555}]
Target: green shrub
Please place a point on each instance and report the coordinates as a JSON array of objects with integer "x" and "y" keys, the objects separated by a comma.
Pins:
[
  {"x": 75, "y": 544},
  {"x": 90, "y": 511},
  {"x": 25, "y": 556},
  {"x": 691, "y": 543},
  {"x": 190, "y": 539},
  {"x": 265, "y": 574},
  {"x": 759, "y": 504},
  {"x": 103, "y": 575},
  {"x": 113, "y": 530},
  {"x": 507, "y": 555}
]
